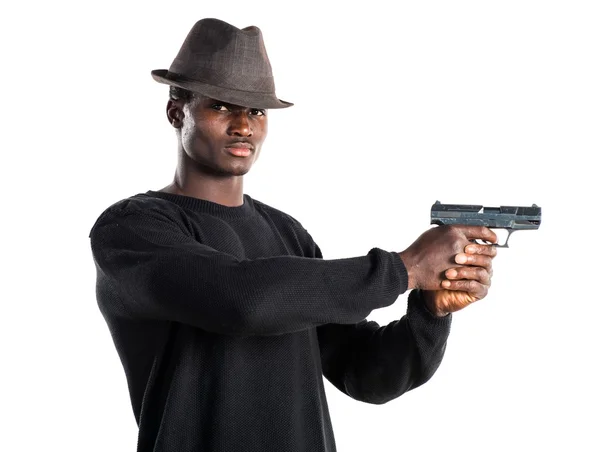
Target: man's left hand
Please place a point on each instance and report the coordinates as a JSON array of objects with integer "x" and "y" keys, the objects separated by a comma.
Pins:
[{"x": 465, "y": 284}]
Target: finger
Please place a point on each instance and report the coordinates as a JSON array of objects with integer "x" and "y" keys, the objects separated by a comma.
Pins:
[
  {"x": 488, "y": 250},
  {"x": 479, "y": 232},
  {"x": 472, "y": 287},
  {"x": 476, "y": 273},
  {"x": 477, "y": 260}
]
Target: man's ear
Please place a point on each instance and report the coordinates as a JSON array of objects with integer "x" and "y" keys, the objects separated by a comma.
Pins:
[{"x": 175, "y": 114}]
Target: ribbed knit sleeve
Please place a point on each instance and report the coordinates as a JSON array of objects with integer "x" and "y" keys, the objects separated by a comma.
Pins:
[
  {"x": 376, "y": 364},
  {"x": 157, "y": 270}
]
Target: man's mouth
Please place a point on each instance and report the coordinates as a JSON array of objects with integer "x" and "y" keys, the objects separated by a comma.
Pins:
[
  {"x": 240, "y": 145},
  {"x": 240, "y": 151}
]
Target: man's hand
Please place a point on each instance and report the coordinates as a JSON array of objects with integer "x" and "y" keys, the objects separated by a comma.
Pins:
[
  {"x": 435, "y": 252},
  {"x": 464, "y": 285}
]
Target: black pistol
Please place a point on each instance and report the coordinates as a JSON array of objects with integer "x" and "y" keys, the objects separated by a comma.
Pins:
[{"x": 511, "y": 218}]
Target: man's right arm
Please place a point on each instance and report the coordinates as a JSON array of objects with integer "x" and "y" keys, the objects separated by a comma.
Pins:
[{"x": 161, "y": 272}]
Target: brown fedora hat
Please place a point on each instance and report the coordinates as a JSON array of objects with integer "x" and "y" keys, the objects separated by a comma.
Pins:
[{"x": 221, "y": 61}]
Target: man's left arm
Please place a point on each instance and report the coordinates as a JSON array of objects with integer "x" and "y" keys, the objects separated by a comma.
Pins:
[{"x": 376, "y": 364}]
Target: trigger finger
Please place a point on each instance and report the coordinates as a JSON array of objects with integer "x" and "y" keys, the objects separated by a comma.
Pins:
[
  {"x": 476, "y": 260},
  {"x": 487, "y": 250}
]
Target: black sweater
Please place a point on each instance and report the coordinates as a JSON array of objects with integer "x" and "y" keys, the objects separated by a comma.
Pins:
[{"x": 227, "y": 318}]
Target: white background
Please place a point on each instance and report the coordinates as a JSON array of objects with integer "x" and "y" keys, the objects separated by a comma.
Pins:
[{"x": 395, "y": 107}]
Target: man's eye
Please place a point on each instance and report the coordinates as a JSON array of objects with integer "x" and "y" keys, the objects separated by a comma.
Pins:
[
  {"x": 257, "y": 112},
  {"x": 219, "y": 107}
]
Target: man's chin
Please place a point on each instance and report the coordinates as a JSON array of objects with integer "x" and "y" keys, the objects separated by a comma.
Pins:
[
  {"x": 238, "y": 168},
  {"x": 225, "y": 170},
  {"x": 240, "y": 171},
  {"x": 233, "y": 170}
]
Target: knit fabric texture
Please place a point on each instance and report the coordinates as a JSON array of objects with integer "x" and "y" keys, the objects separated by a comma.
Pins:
[{"x": 227, "y": 318}]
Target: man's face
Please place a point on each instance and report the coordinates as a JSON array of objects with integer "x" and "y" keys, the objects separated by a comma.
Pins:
[{"x": 217, "y": 135}]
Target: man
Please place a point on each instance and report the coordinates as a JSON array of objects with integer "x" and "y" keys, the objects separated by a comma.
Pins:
[{"x": 222, "y": 309}]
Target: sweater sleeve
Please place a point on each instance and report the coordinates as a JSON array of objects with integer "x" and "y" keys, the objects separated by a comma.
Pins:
[
  {"x": 376, "y": 364},
  {"x": 149, "y": 267}
]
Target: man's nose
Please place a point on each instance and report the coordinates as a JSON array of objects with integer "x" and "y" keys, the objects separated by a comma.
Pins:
[{"x": 240, "y": 125}]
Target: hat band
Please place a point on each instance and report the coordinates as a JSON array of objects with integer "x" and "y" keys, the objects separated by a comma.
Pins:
[{"x": 241, "y": 82}]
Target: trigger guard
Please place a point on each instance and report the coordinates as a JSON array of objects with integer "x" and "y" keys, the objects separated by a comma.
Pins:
[{"x": 497, "y": 245}]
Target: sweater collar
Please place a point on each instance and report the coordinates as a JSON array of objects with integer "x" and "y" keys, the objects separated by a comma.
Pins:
[{"x": 210, "y": 207}]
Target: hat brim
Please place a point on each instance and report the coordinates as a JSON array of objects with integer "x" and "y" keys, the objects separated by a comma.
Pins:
[{"x": 232, "y": 96}]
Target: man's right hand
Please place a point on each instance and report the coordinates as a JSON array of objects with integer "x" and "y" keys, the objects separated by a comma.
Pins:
[{"x": 434, "y": 252}]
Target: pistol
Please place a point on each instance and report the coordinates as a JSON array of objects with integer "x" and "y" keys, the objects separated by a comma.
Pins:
[{"x": 511, "y": 218}]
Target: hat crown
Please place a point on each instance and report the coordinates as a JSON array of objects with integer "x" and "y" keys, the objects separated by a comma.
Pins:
[{"x": 223, "y": 55}]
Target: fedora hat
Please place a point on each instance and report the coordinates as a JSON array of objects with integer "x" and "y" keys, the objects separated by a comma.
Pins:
[{"x": 225, "y": 63}]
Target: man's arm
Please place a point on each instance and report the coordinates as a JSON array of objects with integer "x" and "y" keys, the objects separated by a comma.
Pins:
[
  {"x": 376, "y": 364},
  {"x": 161, "y": 272}
]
